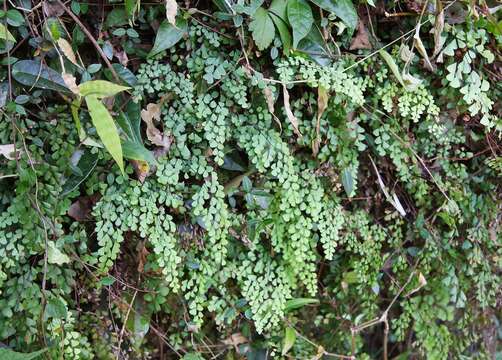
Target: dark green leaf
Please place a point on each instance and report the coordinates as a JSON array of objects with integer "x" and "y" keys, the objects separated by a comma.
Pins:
[
  {"x": 15, "y": 18},
  {"x": 116, "y": 17},
  {"x": 130, "y": 122},
  {"x": 262, "y": 28},
  {"x": 344, "y": 9},
  {"x": 107, "y": 281},
  {"x": 8, "y": 354},
  {"x": 33, "y": 73},
  {"x": 300, "y": 18},
  {"x": 55, "y": 309},
  {"x": 168, "y": 35},
  {"x": 124, "y": 74},
  {"x": 86, "y": 164},
  {"x": 315, "y": 46}
]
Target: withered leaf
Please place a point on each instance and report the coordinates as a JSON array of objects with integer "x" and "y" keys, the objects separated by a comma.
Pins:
[
  {"x": 361, "y": 40},
  {"x": 151, "y": 113},
  {"x": 322, "y": 104},
  {"x": 287, "y": 106},
  {"x": 171, "y": 11}
]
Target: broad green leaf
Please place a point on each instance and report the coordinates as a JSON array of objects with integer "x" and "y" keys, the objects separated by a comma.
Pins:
[
  {"x": 8, "y": 354},
  {"x": 131, "y": 6},
  {"x": 100, "y": 88},
  {"x": 56, "y": 256},
  {"x": 300, "y": 18},
  {"x": 168, "y": 35},
  {"x": 289, "y": 340},
  {"x": 105, "y": 126},
  {"x": 130, "y": 122},
  {"x": 314, "y": 46},
  {"x": 344, "y": 9},
  {"x": 15, "y": 18},
  {"x": 86, "y": 164},
  {"x": 262, "y": 28},
  {"x": 281, "y": 26},
  {"x": 392, "y": 65},
  {"x": 116, "y": 17},
  {"x": 124, "y": 74},
  {"x": 136, "y": 151},
  {"x": 348, "y": 181},
  {"x": 5, "y": 34},
  {"x": 55, "y": 309},
  {"x": 294, "y": 304},
  {"x": 33, "y": 73},
  {"x": 279, "y": 8}
]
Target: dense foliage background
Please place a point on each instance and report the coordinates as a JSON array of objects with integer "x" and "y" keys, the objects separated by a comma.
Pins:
[{"x": 234, "y": 179}]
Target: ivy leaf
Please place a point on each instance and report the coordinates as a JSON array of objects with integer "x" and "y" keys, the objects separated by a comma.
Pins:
[
  {"x": 262, "y": 28},
  {"x": 106, "y": 129},
  {"x": 300, "y": 18},
  {"x": 168, "y": 35},
  {"x": 344, "y": 9},
  {"x": 100, "y": 88},
  {"x": 289, "y": 340},
  {"x": 34, "y": 73},
  {"x": 12, "y": 355},
  {"x": 5, "y": 34},
  {"x": 55, "y": 256}
]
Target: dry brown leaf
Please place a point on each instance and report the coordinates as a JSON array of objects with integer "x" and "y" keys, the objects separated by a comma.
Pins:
[
  {"x": 52, "y": 9},
  {"x": 71, "y": 82},
  {"x": 322, "y": 104},
  {"x": 269, "y": 97},
  {"x": 151, "y": 113},
  {"x": 438, "y": 28},
  {"x": 67, "y": 50},
  {"x": 141, "y": 168},
  {"x": 122, "y": 57},
  {"x": 361, "y": 40},
  {"x": 287, "y": 106},
  {"x": 8, "y": 151},
  {"x": 421, "y": 49},
  {"x": 171, "y": 11},
  {"x": 81, "y": 209},
  {"x": 235, "y": 340}
]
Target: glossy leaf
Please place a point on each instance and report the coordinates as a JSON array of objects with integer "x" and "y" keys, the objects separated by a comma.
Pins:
[
  {"x": 262, "y": 28},
  {"x": 106, "y": 129},
  {"x": 34, "y": 73},
  {"x": 168, "y": 35},
  {"x": 100, "y": 88},
  {"x": 300, "y": 18},
  {"x": 344, "y": 9}
]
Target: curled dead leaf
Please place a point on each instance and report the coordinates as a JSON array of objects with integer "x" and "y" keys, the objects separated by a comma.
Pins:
[
  {"x": 151, "y": 113},
  {"x": 67, "y": 50},
  {"x": 322, "y": 104},
  {"x": 269, "y": 97},
  {"x": 9, "y": 151},
  {"x": 287, "y": 106},
  {"x": 361, "y": 40},
  {"x": 71, "y": 82},
  {"x": 171, "y": 11}
]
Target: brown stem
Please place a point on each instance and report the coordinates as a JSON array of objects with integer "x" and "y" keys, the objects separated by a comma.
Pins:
[{"x": 91, "y": 38}]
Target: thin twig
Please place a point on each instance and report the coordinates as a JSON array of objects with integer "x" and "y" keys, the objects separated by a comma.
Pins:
[{"x": 91, "y": 39}]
